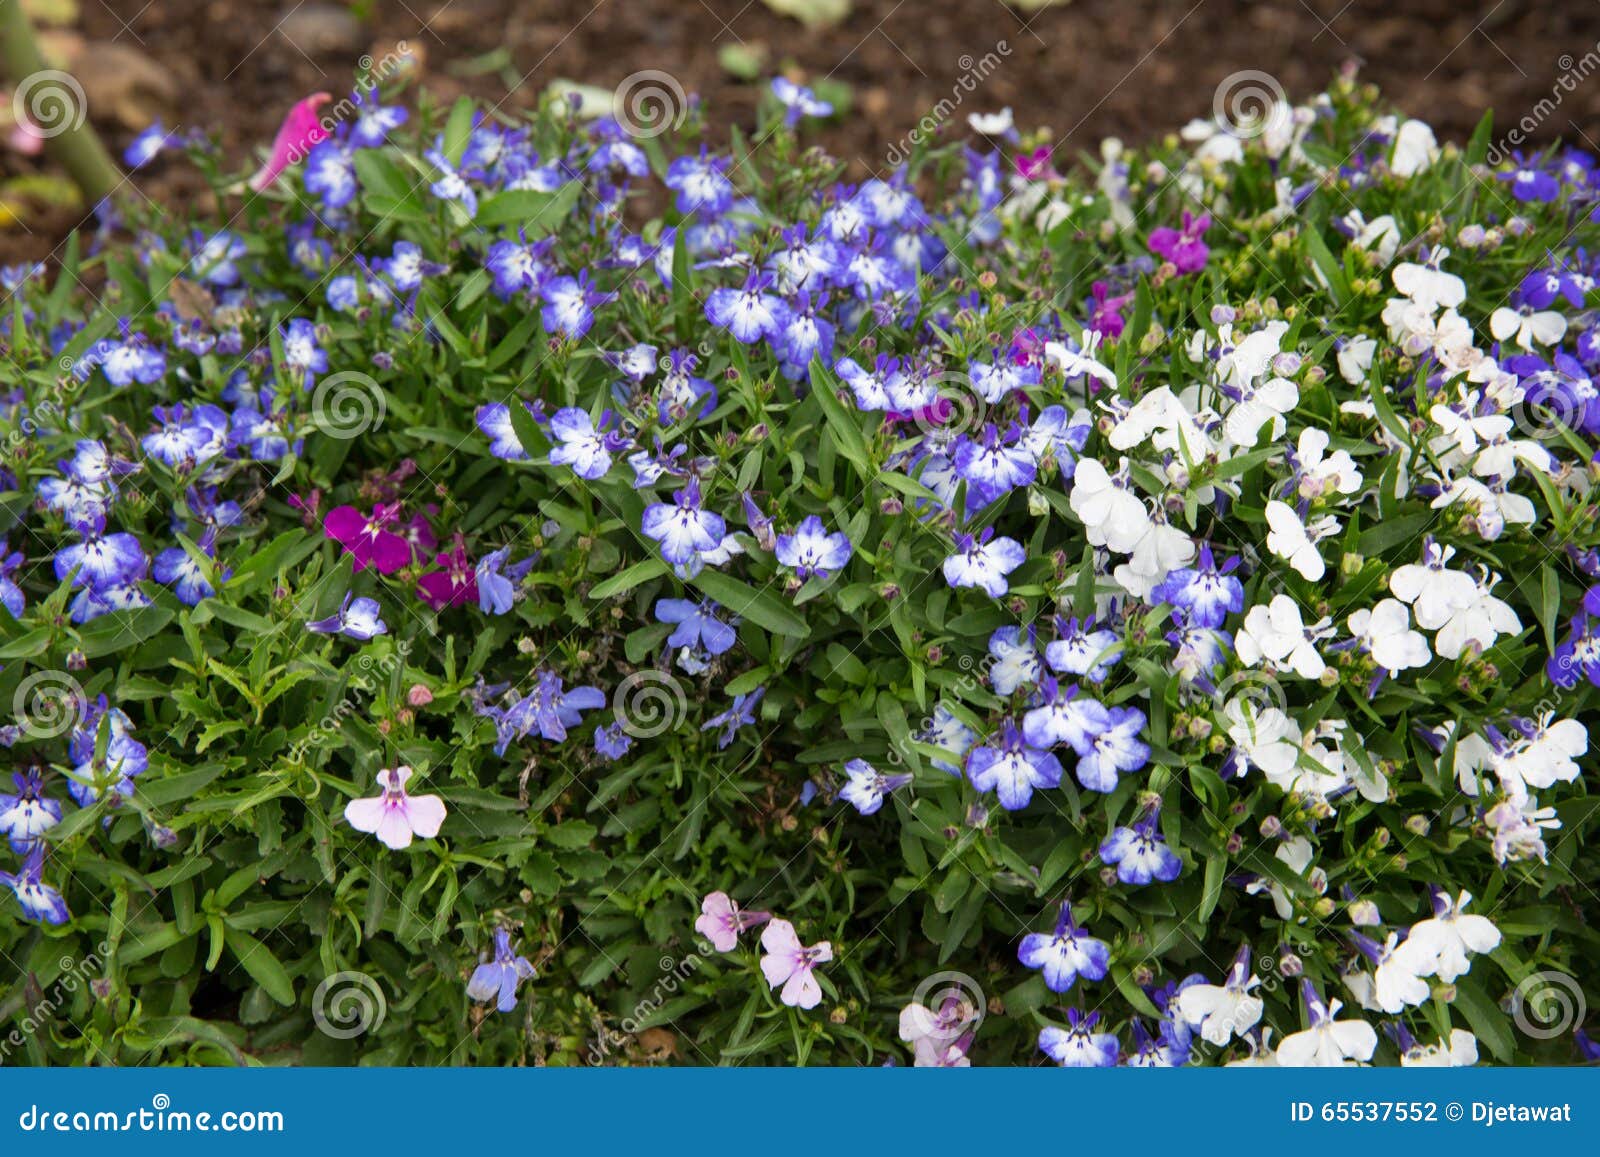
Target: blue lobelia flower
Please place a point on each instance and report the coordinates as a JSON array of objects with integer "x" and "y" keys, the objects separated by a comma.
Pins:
[
  {"x": 497, "y": 979},
  {"x": 1065, "y": 954}
]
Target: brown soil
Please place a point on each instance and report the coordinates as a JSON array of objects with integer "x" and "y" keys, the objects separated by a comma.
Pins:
[{"x": 1088, "y": 68}]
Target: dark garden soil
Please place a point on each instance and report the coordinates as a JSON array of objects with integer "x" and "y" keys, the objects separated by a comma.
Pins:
[{"x": 1088, "y": 68}]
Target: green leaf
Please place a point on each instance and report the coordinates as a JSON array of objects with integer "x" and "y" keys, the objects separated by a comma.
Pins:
[
  {"x": 625, "y": 581},
  {"x": 264, "y": 968}
]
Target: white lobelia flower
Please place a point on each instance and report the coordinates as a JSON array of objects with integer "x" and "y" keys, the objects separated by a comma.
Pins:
[
  {"x": 1519, "y": 827},
  {"x": 1493, "y": 507},
  {"x": 1258, "y": 406},
  {"x": 1329, "y": 1042},
  {"x": 1429, "y": 286},
  {"x": 1247, "y": 362},
  {"x": 1460, "y": 1052},
  {"x": 1380, "y": 236},
  {"x": 1540, "y": 327},
  {"x": 1275, "y": 633},
  {"x": 1396, "y": 983},
  {"x": 1218, "y": 1012},
  {"x": 1113, "y": 515},
  {"x": 1479, "y": 619},
  {"x": 1163, "y": 549},
  {"x": 1386, "y": 633},
  {"x": 1355, "y": 358},
  {"x": 991, "y": 124},
  {"x": 1440, "y": 946},
  {"x": 1292, "y": 540},
  {"x": 1539, "y": 755},
  {"x": 1322, "y": 473},
  {"x": 1266, "y": 737},
  {"x": 1077, "y": 363},
  {"x": 1431, "y": 588},
  {"x": 1296, "y": 854},
  {"x": 1415, "y": 149}
]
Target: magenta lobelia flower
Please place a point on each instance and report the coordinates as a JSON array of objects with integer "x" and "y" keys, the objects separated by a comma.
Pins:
[
  {"x": 1036, "y": 166},
  {"x": 394, "y": 817},
  {"x": 368, "y": 538},
  {"x": 454, "y": 583},
  {"x": 790, "y": 963},
  {"x": 721, "y": 921},
  {"x": 300, "y": 130},
  {"x": 1184, "y": 248}
]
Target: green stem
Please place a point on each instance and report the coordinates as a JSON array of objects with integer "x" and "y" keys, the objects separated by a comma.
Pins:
[{"x": 75, "y": 147}]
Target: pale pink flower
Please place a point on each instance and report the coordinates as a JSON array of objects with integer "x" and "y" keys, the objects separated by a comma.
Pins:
[
  {"x": 301, "y": 129},
  {"x": 394, "y": 817},
  {"x": 790, "y": 963},
  {"x": 721, "y": 921}
]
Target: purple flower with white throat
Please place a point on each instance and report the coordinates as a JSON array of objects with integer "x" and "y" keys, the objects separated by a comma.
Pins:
[
  {"x": 1065, "y": 954},
  {"x": 868, "y": 787},
  {"x": 721, "y": 921},
  {"x": 1078, "y": 1046},
  {"x": 357, "y": 618},
  {"x": 1207, "y": 591},
  {"x": 27, "y": 814},
  {"x": 701, "y": 183},
  {"x": 395, "y": 816},
  {"x": 699, "y": 625},
  {"x": 791, "y": 964},
  {"x": 39, "y": 900},
  {"x": 810, "y": 549},
  {"x": 798, "y": 101},
  {"x": 681, "y": 527},
  {"x": 984, "y": 562},
  {"x": 497, "y": 979},
  {"x": 584, "y": 447},
  {"x": 1109, "y": 746},
  {"x": 569, "y": 304},
  {"x": 749, "y": 314},
  {"x": 1016, "y": 659},
  {"x": 1011, "y": 767},
  {"x": 1082, "y": 649},
  {"x": 1140, "y": 853}
]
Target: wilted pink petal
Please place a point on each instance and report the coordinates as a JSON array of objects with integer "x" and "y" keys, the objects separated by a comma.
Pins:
[{"x": 300, "y": 130}]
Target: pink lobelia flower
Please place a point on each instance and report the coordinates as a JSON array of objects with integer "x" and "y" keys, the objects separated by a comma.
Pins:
[
  {"x": 721, "y": 921},
  {"x": 301, "y": 129},
  {"x": 790, "y": 963},
  {"x": 394, "y": 817},
  {"x": 454, "y": 583},
  {"x": 367, "y": 538}
]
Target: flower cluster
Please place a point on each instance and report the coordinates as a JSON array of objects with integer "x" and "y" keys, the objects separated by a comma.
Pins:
[{"x": 1210, "y": 537}]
